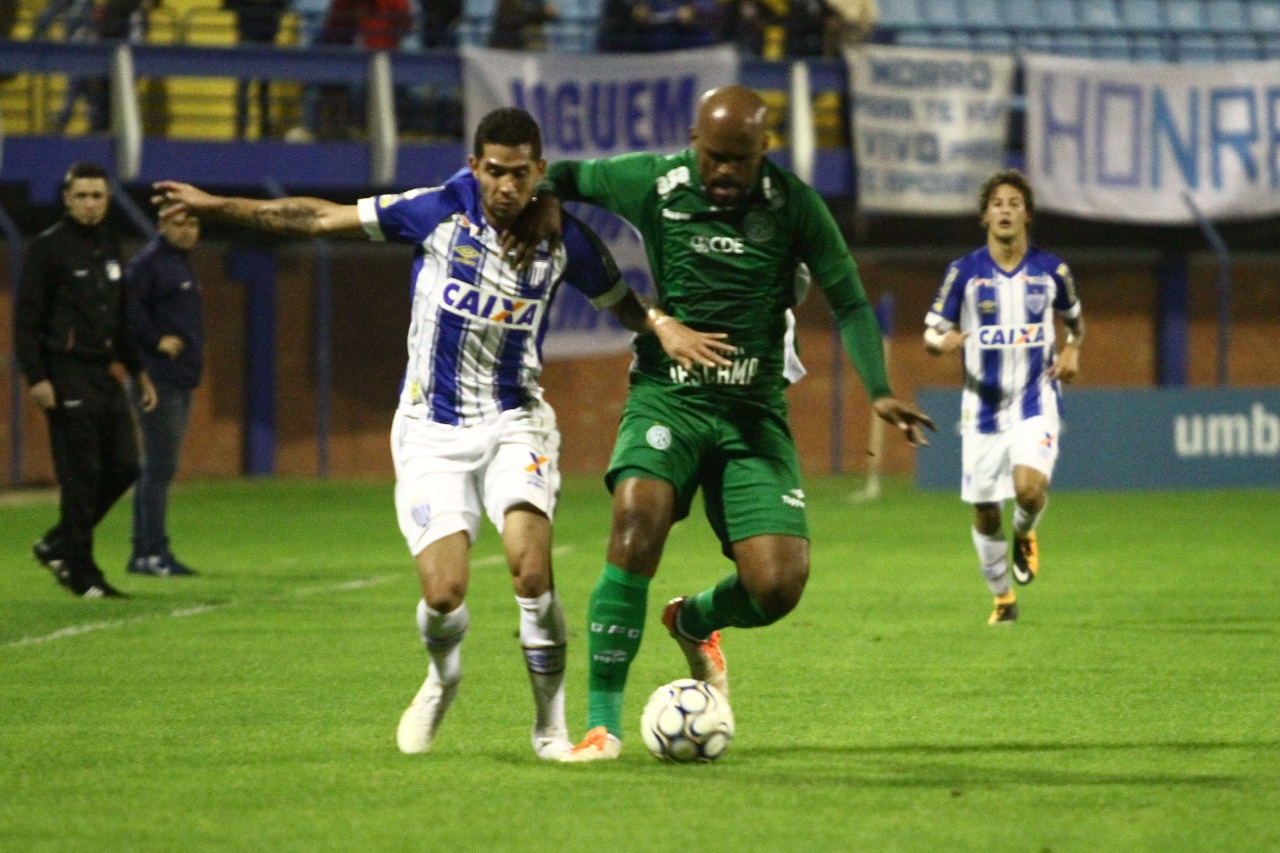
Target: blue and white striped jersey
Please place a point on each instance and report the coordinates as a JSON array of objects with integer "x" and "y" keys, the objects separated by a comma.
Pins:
[
  {"x": 1010, "y": 347},
  {"x": 476, "y": 326}
]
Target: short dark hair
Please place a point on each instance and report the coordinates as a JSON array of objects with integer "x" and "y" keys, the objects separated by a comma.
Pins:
[
  {"x": 508, "y": 126},
  {"x": 84, "y": 169},
  {"x": 1013, "y": 178}
]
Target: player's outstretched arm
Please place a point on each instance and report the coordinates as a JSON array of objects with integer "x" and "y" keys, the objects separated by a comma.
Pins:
[
  {"x": 905, "y": 417},
  {"x": 308, "y": 217},
  {"x": 540, "y": 220},
  {"x": 684, "y": 345}
]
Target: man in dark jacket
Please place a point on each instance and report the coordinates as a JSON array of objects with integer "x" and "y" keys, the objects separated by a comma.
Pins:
[
  {"x": 162, "y": 299},
  {"x": 69, "y": 327}
]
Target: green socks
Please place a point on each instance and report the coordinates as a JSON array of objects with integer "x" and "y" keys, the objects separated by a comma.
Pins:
[
  {"x": 726, "y": 604},
  {"x": 615, "y": 622}
]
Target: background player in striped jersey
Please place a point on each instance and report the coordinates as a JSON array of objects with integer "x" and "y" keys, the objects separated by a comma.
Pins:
[
  {"x": 472, "y": 432},
  {"x": 997, "y": 304},
  {"x": 725, "y": 230}
]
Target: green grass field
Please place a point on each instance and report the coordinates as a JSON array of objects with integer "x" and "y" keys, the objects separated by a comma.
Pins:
[{"x": 1135, "y": 706}]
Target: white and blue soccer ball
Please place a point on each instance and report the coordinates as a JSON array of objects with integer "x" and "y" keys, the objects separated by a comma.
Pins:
[{"x": 687, "y": 721}]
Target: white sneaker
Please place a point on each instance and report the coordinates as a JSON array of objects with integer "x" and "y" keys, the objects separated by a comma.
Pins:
[
  {"x": 551, "y": 744},
  {"x": 598, "y": 745},
  {"x": 420, "y": 720}
]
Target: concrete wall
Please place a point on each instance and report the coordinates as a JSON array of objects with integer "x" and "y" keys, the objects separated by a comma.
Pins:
[{"x": 371, "y": 317}]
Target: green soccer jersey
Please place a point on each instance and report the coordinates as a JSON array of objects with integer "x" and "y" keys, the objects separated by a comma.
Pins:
[{"x": 730, "y": 269}]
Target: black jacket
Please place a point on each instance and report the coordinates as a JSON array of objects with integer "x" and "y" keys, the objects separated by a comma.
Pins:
[
  {"x": 71, "y": 301},
  {"x": 162, "y": 297}
]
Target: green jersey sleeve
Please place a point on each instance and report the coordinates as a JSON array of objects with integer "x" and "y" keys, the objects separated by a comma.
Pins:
[
  {"x": 822, "y": 247},
  {"x": 623, "y": 184}
]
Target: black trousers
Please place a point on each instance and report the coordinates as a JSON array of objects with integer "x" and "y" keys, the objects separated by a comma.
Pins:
[{"x": 95, "y": 455}]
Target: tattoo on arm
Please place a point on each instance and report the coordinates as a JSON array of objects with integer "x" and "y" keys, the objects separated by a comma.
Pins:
[{"x": 289, "y": 215}]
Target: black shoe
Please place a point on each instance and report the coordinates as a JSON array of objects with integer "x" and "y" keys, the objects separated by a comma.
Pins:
[
  {"x": 1026, "y": 558},
  {"x": 158, "y": 566},
  {"x": 51, "y": 558},
  {"x": 48, "y": 554},
  {"x": 177, "y": 568},
  {"x": 101, "y": 589}
]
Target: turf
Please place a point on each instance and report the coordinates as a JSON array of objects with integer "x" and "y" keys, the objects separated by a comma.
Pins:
[{"x": 1133, "y": 707}]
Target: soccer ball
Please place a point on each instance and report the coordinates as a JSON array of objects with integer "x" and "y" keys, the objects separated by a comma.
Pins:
[{"x": 687, "y": 720}]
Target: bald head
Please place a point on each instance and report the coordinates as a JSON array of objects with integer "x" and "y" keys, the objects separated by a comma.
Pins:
[
  {"x": 729, "y": 138},
  {"x": 735, "y": 108}
]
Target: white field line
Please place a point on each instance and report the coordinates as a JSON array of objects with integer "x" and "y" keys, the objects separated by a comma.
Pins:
[{"x": 201, "y": 609}]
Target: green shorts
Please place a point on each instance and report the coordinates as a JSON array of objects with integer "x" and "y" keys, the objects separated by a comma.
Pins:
[{"x": 739, "y": 451}]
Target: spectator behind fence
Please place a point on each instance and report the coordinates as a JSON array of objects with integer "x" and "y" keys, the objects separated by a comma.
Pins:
[
  {"x": 439, "y": 21},
  {"x": 69, "y": 326},
  {"x": 370, "y": 24},
  {"x": 162, "y": 303},
  {"x": 857, "y": 21},
  {"x": 518, "y": 24},
  {"x": 441, "y": 104},
  {"x": 78, "y": 25},
  {"x": 647, "y": 27},
  {"x": 257, "y": 22}
]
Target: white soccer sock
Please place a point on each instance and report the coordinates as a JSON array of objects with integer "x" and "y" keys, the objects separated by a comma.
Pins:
[
  {"x": 442, "y": 634},
  {"x": 1024, "y": 522},
  {"x": 542, "y": 636},
  {"x": 993, "y": 554}
]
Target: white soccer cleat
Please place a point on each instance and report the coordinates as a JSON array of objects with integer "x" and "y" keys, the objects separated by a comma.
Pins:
[
  {"x": 418, "y": 723},
  {"x": 598, "y": 745},
  {"x": 551, "y": 744}
]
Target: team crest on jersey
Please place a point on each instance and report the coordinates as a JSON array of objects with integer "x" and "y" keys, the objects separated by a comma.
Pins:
[
  {"x": 476, "y": 303},
  {"x": 465, "y": 254},
  {"x": 1011, "y": 337},
  {"x": 1037, "y": 299},
  {"x": 757, "y": 226},
  {"x": 539, "y": 274},
  {"x": 658, "y": 436}
]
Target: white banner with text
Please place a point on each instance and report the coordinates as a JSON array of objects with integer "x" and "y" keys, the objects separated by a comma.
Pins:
[
  {"x": 929, "y": 126},
  {"x": 597, "y": 105},
  {"x": 1125, "y": 142}
]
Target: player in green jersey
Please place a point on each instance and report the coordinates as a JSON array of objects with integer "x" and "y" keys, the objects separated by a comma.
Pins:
[{"x": 725, "y": 230}]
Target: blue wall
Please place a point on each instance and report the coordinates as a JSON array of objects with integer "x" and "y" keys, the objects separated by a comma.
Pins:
[{"x": 1166, "y": 438}]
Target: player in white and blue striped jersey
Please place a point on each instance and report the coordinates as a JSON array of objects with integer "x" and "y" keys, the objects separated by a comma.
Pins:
[
  {"x": 997, "y": 304},
  {"x": 472, "y": 434}
]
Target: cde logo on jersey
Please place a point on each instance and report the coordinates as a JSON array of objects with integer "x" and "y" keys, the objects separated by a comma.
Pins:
[
  {"x": 478, "y": 304},
  {"x": 1011, "y": 337},
  {"x": 702, "y": 244}
]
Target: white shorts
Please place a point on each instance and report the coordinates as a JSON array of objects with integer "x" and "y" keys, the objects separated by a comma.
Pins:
[
  {"x": 445, "y": 474},
  {"x": 989, "y": 459}
]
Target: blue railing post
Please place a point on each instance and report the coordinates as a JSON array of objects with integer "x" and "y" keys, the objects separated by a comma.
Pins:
[
  {"x": 1173, "y": 298},
  {"x": 323, "y": 342},
  {"x": 255, "y": 268},
  {"x": 1223, "y": 256},
  {"x": 17, "y": 384}
]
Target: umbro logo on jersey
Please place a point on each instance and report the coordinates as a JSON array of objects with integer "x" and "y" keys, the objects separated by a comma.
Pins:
[
  {"x": 466, "y": 255},
  {"x": 1011, "y": 337},
  {"x": 472, "y": 302}
]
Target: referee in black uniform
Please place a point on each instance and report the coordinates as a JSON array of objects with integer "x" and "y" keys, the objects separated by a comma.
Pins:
[{"x": 69, "y": 327}]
